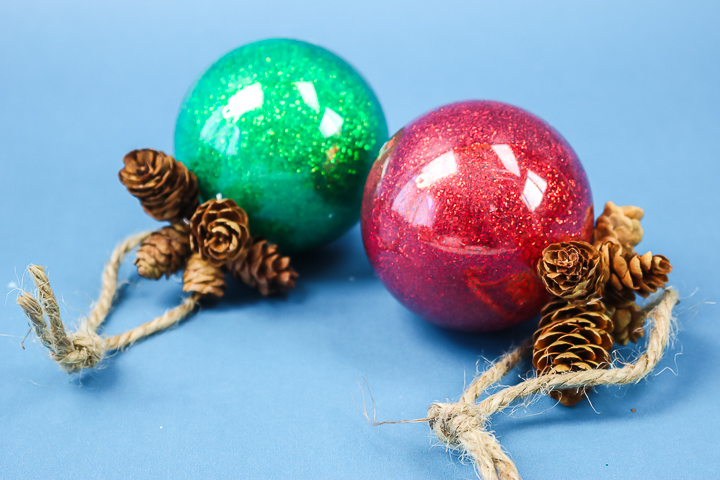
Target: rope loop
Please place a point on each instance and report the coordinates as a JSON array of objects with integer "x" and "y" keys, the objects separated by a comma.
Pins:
[
  {"x": 464, "y": 425},
  {"x": 84, "y": 348}
]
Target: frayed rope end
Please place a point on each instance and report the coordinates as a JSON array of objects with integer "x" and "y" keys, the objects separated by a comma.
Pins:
[{"x": 72, "y": 352}]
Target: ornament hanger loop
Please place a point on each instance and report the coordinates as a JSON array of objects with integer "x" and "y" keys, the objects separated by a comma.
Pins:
[
  {"x": 464, "y": 425},
  {"x": 84, "y": 348}
]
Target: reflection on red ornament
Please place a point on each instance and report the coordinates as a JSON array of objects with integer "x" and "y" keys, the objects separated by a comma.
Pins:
[
  {"x": 459, "y": 205},
  {"x": 516, "y": 290}
]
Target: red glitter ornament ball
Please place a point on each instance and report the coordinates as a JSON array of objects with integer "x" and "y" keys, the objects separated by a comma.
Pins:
[{"x": 459, "y": 206}]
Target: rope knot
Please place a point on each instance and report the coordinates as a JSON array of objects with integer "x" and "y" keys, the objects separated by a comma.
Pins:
[
  {"x": 449, "y": 420},
  {"x": 71, "y": 351},
  {"x": 75, "y": 351},
  {"x": 87, "y": 350},
  {"x": 465, "y": 425}
]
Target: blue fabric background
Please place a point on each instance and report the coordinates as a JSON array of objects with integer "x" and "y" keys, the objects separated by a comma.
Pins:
[{"x": 261, "y": 388}]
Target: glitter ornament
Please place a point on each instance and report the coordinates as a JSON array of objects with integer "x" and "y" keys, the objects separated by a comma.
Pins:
[
  {"x": 289, "y": 131},
  {"x": 459, "y": 206}
]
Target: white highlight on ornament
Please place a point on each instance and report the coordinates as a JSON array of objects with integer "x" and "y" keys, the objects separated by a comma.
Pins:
[
  {"x": 413, "y": 202},
  {"x": 223, "y": 136},
  {"x": 507, "y": 157},
  {"x": 537, "y": 180},
  {"x": 534, "y": 190},
  {"x": 382, "y": 173},
  {"x": 443, "y": 166},
  {"x": 385, "y": 164},
  {"x": 415, "y": 206},
  {"x": 331, "y": 123},
  {"x": 245, "y": 100},
  {"x": 308, "y": 94}
]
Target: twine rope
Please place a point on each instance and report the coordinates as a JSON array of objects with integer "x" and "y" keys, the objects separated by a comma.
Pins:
[
  {"x": 84, "y": 348},
  {"x": 465, "y": 425}
]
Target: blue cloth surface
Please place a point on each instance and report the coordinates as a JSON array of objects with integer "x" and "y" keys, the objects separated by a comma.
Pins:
[{"x": 260, "y": 388}]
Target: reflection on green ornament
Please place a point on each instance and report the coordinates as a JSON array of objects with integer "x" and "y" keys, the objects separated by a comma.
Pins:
[{"x": 289, "y": 131}]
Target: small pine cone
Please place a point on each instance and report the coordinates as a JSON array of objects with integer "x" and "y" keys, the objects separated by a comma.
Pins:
[
  {"x": 630, "y": 272},
  {"x": 164, "y": 252},
  {"x": 264, "y": 268},
  {"x": 202, "y": 277},
  {"x": 628, "y": 320},
  {"x": 619, "y": 225},
  {"x": 166, "y": 189},
  {"x": 572, "y": 338},
  {"x": 220, "y": 231},
  {"x": 572, "y": 271}
]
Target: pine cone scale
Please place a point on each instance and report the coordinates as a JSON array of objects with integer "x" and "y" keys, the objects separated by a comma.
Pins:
[
  {"x": 632, "y": 274},
  {"x": 220, "y": 231},
  {"x": 619, "y": 225},
  {"x": 167, "y": 190},
  {"x": 164, "y": 252},
  {"x": 572, "y": 337},
  {"x": 572, "y": 271},
  {"x": 203, "y": 278},
  {"x": 263, "y": 268}
]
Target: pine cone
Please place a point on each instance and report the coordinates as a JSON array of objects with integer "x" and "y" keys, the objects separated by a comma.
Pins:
[
  {"x": 572, "y": 338},
  {"x": 166, "y": 189},
  {"x": 619, "y": 225},
  {"x": 264, "y": 268},
  {"x": 628, "y": 320},
  {"x": 164, "y": 252},
  {"x": 219, "y": 231},
  {"x": 572, "y": 271},
  {"x": 203, "y": 277},
  {"x": 642, "y": 274}
]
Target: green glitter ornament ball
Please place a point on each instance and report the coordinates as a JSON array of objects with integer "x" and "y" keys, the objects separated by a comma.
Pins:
[{"x": 289, "y": 131}]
